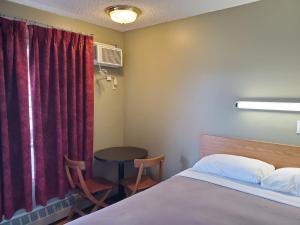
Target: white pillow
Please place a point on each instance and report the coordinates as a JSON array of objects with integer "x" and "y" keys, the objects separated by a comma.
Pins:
[
  {"x": 285, "y": 180},
  {"x": 235, "y": 167}
]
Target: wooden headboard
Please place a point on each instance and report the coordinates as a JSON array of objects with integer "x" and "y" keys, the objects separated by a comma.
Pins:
[{"x": 279, "y": 155}]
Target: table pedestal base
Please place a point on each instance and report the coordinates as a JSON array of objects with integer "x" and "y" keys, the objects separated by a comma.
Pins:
[{"x": 121, "y": 193}]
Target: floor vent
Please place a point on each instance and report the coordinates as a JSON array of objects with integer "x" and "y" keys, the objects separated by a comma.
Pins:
[{"x": 54, "y": 211}]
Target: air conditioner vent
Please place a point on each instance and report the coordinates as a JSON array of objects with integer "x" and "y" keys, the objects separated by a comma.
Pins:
[
  {"x": 111, "y": 56},
  {"x": 107, "y": 55}
]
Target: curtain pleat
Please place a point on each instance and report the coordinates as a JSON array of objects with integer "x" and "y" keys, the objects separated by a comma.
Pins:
[
  {"x": 15, "y": 161},
  {"x": 61, "y": 75}
]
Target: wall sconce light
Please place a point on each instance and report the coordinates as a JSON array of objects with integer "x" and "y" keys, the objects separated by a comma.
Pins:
[{"x": 272, "y": 106}]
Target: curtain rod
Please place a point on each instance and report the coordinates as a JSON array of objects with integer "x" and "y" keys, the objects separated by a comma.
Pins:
[{"x": 32, "y": 22}]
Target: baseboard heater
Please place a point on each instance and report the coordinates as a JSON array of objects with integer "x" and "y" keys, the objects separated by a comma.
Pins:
[{"x": 54, "y": 211}]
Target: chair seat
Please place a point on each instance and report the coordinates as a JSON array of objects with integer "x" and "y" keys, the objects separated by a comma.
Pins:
[
  {"x": 146, "y": 182},
  {"x": 98, "y": 184}
]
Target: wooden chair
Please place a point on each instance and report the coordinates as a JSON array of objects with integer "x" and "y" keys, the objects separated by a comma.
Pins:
[
  {"x": 86, "y": 188},
  {"x": 142, "y": 182}
]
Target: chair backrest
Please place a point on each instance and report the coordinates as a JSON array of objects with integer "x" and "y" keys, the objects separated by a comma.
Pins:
[
  {"x": 147, "y": 163},
  {"x": 82, "y": 188},
  {"x": 78, "y": 166}
]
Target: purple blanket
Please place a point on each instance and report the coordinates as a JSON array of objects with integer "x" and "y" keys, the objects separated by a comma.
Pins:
[{"x": 186, "y": 201}]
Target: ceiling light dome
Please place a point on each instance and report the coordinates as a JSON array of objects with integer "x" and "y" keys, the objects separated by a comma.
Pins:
[{"x": 123, "y": 13}]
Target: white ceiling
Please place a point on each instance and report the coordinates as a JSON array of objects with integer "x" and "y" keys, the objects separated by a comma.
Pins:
[{"x": 153, "y": 11}]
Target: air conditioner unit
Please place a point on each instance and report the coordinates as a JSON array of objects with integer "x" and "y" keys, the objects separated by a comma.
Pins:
[{"x": 107, "y": 55}]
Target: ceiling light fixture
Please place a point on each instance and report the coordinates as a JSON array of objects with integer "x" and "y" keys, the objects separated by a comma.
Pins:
[{"x": 123, "y": 13}]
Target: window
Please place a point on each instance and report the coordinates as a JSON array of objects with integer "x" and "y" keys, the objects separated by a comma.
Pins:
[{"x": 31, "y": 131}]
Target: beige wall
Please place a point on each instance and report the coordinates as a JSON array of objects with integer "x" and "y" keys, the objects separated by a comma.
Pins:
[
  {"x": 108, "y": 103},
  {"x": 183, "y": 77}
]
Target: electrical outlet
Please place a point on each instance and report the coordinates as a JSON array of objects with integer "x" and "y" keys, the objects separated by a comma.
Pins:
[{"x": 298, "y": 127}]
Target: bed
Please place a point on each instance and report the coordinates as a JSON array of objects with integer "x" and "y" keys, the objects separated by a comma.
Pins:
[{"x": 204, "y": 199}]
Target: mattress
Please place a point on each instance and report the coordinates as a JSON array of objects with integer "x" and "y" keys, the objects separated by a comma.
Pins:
[{"x": 190, "y": 198}]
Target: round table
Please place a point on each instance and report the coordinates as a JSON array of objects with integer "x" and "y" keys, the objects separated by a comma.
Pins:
[{"x": 120, "y": 155}]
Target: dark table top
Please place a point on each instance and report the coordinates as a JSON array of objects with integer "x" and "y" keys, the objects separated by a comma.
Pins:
[{"x": 120, "y": 154}]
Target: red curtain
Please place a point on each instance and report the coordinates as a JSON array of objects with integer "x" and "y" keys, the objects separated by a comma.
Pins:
[
  {"x": 15, "y": 164},
  {"x": 62, "y": 87}
]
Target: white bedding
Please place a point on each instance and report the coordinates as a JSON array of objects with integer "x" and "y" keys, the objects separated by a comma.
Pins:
[{"x": 254, "y": 189}]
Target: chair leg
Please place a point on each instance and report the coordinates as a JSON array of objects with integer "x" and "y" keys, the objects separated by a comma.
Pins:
[
  {"x": 75, "y": 209},
  {"x": 95, "y": 208},
  {"x": 104, "y": 197},
  {"x": 132, "y": 193},
  {"x": 71, "y": 214},
  {"x": 100, "y": 203},
  {"x": 126, "y": 192}
]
